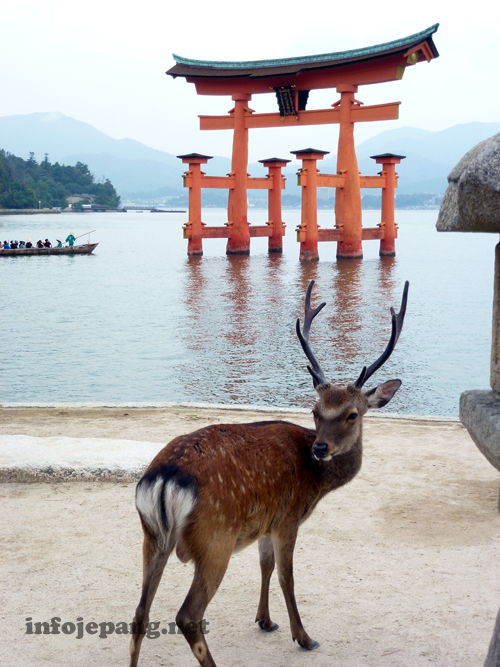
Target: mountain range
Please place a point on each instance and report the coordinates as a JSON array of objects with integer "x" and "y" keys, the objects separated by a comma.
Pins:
[{"x": 139, "y": 171}]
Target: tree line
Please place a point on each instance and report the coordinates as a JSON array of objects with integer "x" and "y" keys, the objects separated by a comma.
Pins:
[{"x": 25, "y": 183}]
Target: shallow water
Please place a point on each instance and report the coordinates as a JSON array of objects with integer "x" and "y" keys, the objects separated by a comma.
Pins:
[{"x": 140, "y": 321}]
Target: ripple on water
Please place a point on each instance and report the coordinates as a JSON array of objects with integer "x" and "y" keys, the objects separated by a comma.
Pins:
[{"x": 139, "y": 321}]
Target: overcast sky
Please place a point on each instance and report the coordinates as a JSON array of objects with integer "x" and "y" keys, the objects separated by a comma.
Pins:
[{"x": 104, "y": 63}]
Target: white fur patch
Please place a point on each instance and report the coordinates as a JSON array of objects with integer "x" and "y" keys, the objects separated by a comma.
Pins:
[
  {"x": 325, "y": 458},
  {"x": 146, "y": 501},
  {"x": 178, "y": 501}
]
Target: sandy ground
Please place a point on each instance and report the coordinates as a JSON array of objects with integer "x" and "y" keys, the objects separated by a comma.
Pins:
[{"x": 399, "y": 568}]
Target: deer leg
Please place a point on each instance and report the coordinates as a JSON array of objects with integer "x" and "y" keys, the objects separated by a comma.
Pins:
[
  {"x": 283, "y": 545},
  {"x": 209, "y": 571},
  {"x": 266, "y": 555},
  {"x": 154, "y": 561}
]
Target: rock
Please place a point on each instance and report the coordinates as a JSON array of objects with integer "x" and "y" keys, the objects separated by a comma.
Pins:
[
  {"x": 480, "y": 414},
  {"x": 472, "y": 200}
]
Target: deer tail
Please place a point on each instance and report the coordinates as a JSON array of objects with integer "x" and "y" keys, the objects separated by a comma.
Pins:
[{"x": 165, "y": 499}]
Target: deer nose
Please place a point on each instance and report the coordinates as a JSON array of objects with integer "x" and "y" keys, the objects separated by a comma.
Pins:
[{"x": 320, "y": 450}]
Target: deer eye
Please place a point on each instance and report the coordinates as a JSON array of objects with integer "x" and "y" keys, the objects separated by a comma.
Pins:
[
  {"x": 315, "y": 414},
  {"x": 352, "y": 416}
]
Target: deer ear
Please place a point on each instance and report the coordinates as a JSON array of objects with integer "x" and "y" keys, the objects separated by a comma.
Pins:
[{"x": 381, "y": 395}]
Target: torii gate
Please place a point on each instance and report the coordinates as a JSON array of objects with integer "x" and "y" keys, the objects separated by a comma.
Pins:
[{"x": 292, "y": 79}]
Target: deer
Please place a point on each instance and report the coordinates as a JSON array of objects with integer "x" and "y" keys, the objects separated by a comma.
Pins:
[{"x": 213, "y": 492}]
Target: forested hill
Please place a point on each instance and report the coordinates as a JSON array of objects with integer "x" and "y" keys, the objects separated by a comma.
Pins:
[{"x": 24, "y": 183}]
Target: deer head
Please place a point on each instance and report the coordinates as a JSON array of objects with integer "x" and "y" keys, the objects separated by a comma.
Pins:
[{"x": 338, "y": 414}]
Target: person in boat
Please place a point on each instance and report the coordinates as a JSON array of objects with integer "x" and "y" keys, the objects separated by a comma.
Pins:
[
  {"x": 47, "y": 243},
  {"x": 59, "y": 243},
  {"x": 22, "y": 244},
  {"x": 29, "y": 244},
  {"x": 6, "y": 245},
  {"x": 13, "y": 245},
  {"x": 71, "y": 238},
  {"x": 39, "y": 243}
]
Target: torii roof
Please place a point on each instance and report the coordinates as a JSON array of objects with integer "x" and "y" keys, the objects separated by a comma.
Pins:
[{"x": 257, "y": 69}]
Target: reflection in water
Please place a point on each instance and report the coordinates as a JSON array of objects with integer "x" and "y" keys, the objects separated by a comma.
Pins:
[
  {"x": 196, "y": 282},
  {"x": 387, "y": 276},
  {"x": 243, "y": 312},
  {"x": 240, "y": 335},
  {"x": 346, "y": 322}
]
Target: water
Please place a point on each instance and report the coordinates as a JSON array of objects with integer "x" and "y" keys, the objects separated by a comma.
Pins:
[{"x": 140, "y": 321}]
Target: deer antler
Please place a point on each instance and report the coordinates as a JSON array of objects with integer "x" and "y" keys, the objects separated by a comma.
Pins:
[
  {"x": 310, "y": 313},
  {"x": 397, "y": 325}
]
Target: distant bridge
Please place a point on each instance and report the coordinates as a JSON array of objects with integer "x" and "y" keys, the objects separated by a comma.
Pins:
[
  {"x": 139, "y": 208},
  {"x": 154, "y": 209}
]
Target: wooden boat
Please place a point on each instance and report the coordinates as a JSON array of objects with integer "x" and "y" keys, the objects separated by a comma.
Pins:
[{"x": 84, "y": 249}]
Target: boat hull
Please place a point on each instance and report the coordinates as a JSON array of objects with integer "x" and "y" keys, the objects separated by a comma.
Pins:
[{"x": 84, "y": 249}]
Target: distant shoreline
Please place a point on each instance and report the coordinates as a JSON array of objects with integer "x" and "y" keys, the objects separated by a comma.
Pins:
[
  {"x": 27, "y": 211},
  {"x": 49, "y": 211},
  {"x": 36, "y": 211}
]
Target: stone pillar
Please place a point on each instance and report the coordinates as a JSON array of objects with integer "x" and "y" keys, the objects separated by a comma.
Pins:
[
  {"x": 493, "y": 657},
  {"x": 495, "y": 339},
  {"x": 472, "y": 204}
]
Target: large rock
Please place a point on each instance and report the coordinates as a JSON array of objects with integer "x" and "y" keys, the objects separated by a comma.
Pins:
[{"x": 472, "y": 200}]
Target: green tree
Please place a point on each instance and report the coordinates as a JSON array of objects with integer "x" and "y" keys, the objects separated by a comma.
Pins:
[
  {"x": 106, "y": 194},
  {"x": 18, "y": 196},
  {"x": 49, "y": 183}
]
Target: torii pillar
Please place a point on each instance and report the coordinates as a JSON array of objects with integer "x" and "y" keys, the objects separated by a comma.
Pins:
[
  {"x": 237, "y": 208},
  {"x": 275, "y": 165},
  {"x": 308, "y": 180},
  {"x": 387, "y": 222},
  {"x": 348, "y": 199},
  {"x": 193, "y": 229}
]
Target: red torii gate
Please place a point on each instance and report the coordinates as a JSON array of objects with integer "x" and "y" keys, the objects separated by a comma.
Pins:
[{"x": 292, "y": 79}]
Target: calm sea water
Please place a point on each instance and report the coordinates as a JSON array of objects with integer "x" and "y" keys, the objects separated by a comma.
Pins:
[{"x": 140, "y": 321}]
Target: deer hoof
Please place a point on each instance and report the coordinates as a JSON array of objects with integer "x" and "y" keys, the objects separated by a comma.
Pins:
[
  {"x": 263, "y": 626},
  {"x": 309, "y": 646}
]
